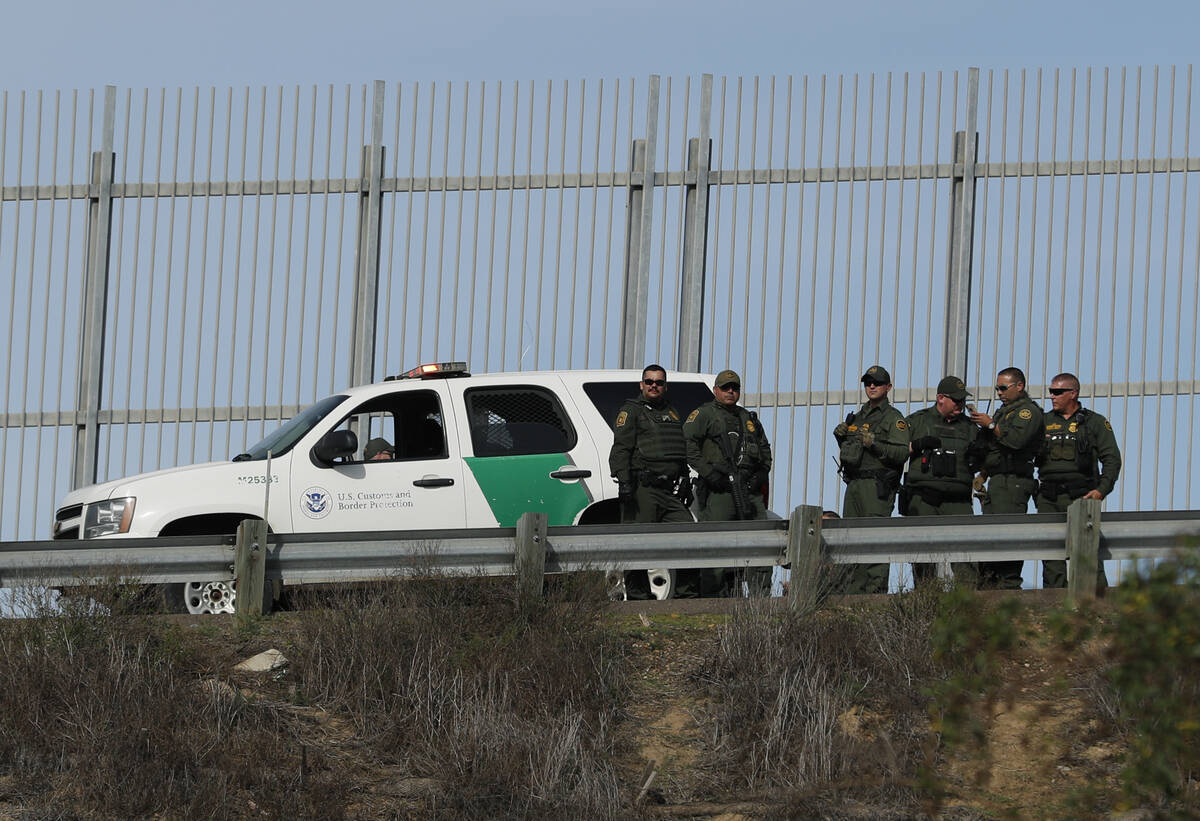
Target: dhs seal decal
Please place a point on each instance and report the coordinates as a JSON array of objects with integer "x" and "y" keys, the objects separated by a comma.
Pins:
[{"x": 315, "y": 503}]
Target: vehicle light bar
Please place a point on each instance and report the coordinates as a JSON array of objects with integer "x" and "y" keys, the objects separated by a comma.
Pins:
[{"x": 435, "y": 370}]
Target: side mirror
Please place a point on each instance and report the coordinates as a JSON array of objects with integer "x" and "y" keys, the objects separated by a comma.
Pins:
[{"x": 334, "y": 445}]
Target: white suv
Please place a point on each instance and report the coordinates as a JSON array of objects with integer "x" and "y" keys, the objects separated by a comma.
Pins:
[{"x": 470, "y": 451}]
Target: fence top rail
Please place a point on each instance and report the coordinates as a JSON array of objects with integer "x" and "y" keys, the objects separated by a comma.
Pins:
[{"x": 602, "y": 179}]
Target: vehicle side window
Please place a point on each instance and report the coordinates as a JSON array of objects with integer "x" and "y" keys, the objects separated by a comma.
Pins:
[
  {"x": 608, "y": 397},
  {"x": 410, "y": 422},
  {"x": 517, "y": 420}
]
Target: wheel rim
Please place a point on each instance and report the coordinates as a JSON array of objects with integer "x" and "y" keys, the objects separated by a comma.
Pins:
[{"x": 209, "y": 597}]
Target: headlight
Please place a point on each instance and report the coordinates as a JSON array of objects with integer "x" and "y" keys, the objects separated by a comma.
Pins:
[{"x": 109, "y": 516}]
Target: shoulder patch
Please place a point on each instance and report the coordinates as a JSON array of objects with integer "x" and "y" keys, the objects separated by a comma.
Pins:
[
  {"x": 750, "y": 426},
  {"x": 853, "y": 428},
  {"x": 1107, "y": 424},
  {"x": 901, "y": 424},
  {"x": 1025, "y": 413},
  {"x": 622, "y": 417},
  {"x": 693, "y": 414}
]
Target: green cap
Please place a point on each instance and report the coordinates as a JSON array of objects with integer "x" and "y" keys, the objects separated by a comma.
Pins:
[
  {"x": 377, "y": 446},
  {"x": 953, "y": 387},
  {"x": 877, "y": 373},
  {"x": 727, "y": 376}
]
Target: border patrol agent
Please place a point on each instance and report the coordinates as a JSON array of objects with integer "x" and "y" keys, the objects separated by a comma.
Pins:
[
  {"x": 1079, "y": 459},
  {"x": 937, "y": 481},
  {"x": 1009, "y": 444},
  {"x": 649, "y": 461},
  {"x": 872, "y": 450},
  {"x": 726, "y": 444}
]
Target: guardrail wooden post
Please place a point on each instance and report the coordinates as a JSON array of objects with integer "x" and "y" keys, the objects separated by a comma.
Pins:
[
  {"x": 1083, "y": 548},
  {"x": 529, "y": 558},
  {"x": 805, "y": 555},
  {"x": 249, "y": 568}
]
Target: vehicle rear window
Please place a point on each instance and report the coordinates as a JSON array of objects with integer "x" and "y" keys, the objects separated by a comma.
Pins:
[
  {"x": 517, "y": 420},
  {"x": 608, "y": 397}
]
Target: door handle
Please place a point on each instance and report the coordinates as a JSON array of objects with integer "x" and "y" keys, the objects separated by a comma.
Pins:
[
  {"x": 436, "y": 481},
  {"x": 578, "y": 473}
]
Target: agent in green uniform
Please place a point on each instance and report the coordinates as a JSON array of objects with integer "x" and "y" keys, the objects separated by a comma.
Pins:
[
  {"x": 872, "y": 450},
  {"x": 938, "y": 479},
  {"x": 1009, "y": 442},
  {"x": 649, "y": 461},
  {"x": 1079, "y": 460},
  {"x": 727, "y": 447}
]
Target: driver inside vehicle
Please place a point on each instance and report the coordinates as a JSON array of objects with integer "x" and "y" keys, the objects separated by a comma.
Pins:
[{"x": 379, "y": 450}]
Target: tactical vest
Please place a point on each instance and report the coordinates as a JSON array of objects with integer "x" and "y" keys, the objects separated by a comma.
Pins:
[
  {"x": 1068, "y": 449},
  {"x": 660, "y": 444},
  {"x": 945, "y": 467},
  {"x": 1005, "y": 461},
  {"x": 748, "y": 453},
  {"x": 859, "y": 463}
]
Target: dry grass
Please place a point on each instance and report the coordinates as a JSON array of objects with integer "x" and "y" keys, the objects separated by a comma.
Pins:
[
  {"x": 106, "y": 717},
  {"x": 827, "y": 706},
  {"x": 508, "y": 707},
  {"x": 497, "y": 709}
]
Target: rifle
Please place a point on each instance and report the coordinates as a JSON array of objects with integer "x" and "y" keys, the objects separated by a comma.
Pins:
[{"x": 741, "y": 505}]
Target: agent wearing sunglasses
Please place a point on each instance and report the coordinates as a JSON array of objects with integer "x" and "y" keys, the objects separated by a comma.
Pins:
[
  {"x": 872, "y": 450},
  {"x": 941, "y": 468},
  {"x": 1012, "y": 440},
  {"x": 729, "y": 450},
  {"x": 649, "y": 461},
  {"x": 1079, "y": 459}
]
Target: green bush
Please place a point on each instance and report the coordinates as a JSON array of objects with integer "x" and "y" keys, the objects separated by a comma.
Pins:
[{"x": 1153, "y": 655}]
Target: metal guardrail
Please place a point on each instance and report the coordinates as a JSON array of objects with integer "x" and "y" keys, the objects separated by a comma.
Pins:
[{"x": 344, "y": 557}]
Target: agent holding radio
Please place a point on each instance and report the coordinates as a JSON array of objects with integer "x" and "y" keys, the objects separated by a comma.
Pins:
[
  {"x": 941, "y": 467},
  {"x": 872, "y": 448}
]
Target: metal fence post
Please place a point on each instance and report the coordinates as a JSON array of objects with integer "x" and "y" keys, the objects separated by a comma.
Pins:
[
  {"x": 962, "y": 235},
  {"x": 529, "y": 558},
  {"x": 249, "y": 568},
  {"x": 1083, "y": 548},
  {"x": 366, "y": 271},
  {"x": 638, "y": 229},
  {"x": 695, "y": 238},
  {"x": 95, "y": 300},
  {"x": 805, "y": 554}
]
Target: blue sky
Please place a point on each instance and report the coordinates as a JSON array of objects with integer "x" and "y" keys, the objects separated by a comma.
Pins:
[{"x": 61, "y": 45}]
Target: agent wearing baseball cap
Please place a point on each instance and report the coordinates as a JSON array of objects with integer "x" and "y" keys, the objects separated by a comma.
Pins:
[
  {"x": 379, "y": 450},
  {"x": 872, "y": 450},
  {"x": 727, "y": 447},
  {"x": 937, "y": 481}
]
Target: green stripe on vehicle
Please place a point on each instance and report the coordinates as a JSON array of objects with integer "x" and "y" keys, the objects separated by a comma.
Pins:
[{"x": 514, "y": 485}]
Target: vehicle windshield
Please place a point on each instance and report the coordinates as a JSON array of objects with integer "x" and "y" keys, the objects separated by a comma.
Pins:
[{"x": 281, "y": 440}]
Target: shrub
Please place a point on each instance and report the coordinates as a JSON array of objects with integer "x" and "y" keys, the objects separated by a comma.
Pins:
[
  {"x": 108, "y": 716},
  {"x": 806, "y": 700},
  {"x": 509, "y": 704},
  {"x": 1148, "y": 685}
]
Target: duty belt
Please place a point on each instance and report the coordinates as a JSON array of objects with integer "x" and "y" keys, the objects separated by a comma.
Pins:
[
  {"x": 935, "y": 497},
  {"x": 882, "y": 474},
  {"x": 1075, "y": 488},
  {"x": 1021, "y": 475},
  {"x": 663, "y": 481}
]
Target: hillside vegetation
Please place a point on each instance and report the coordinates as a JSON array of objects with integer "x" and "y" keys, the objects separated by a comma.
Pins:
[{"x": 442, "y": 698}]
